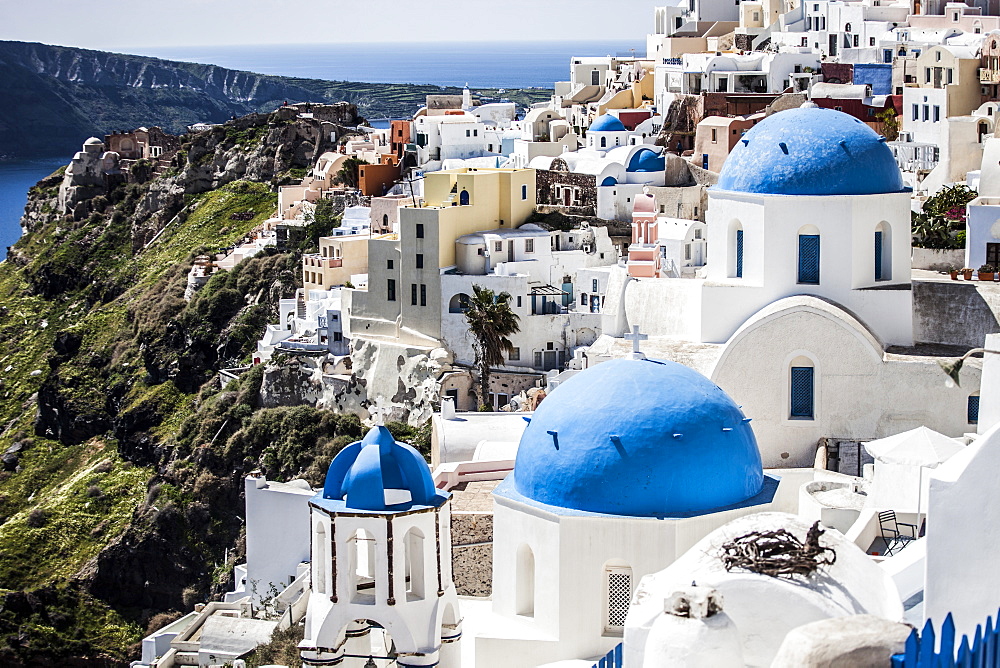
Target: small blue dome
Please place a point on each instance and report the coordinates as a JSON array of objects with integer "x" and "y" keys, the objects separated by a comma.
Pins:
[
  {"x": 362, "y": 473},
  {"x": 607, "y": 123},
  {"x": 811, "y": 151},
  {"x": 638, "y": 437},
  {"x": 609, "y": 181},
  {"x": 646, "y": 160}
]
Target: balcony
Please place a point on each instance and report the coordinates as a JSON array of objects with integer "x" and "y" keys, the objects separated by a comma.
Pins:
[
  {"x": 988, "y": 76},
  {"x": 319, "y": 262}
]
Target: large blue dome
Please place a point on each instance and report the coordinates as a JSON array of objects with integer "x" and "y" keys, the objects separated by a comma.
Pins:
[
  {"x": 607, "y": 123},
  {"x": 646, "y": 160},
  {"x": 638, "y": 437},
  {"x": 811, "y": 151}
]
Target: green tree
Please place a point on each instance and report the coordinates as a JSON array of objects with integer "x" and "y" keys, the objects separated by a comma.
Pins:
[
  {"x": 349, "y": 171},
  {"x": 942, "y": 217},
  {"x": 491, "y": 321},
  {"x": 890, "y": 123}
]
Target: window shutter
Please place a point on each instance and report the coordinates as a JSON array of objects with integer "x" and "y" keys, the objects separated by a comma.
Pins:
[{"x": 802, "y": 392}]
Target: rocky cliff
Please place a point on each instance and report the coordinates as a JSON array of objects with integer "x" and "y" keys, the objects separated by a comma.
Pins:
[
  {"x": 55, "y": 97},
  {"x": 121, "y": 457}
]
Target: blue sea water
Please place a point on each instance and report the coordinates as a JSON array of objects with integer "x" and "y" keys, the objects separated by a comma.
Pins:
[
  {"x": 16, "y": 177},
  {"x": 480, "y": 64}
]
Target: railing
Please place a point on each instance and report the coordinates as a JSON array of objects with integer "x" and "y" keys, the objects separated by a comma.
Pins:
[
  {"x": 983, "y": 651},
  {"x": 322, "y": 262},
  {"x": 612, "y": 659},
  {"x": 988, "y": 76}
]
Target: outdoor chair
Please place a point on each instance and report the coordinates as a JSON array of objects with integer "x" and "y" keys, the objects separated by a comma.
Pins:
[{"x": 895, "y": 539}]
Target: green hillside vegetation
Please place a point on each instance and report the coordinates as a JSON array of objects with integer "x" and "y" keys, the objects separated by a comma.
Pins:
[{"x": 120, "y": 489}]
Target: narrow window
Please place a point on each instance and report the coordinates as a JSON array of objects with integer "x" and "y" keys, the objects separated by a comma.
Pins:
[
  {"x": 519, "y": 301},
  {"x": 498, "y": 246},
  {"x": 524, "y": 603},
  {"x": 423, "y": 294},
  {"x": 619, "y": 593},
  {"x": 916, "y": 112},
  {"x": 524, "y": 193},
  {"x": 420, "y": 230},
  {"x": 391, "y": 290},
  {"x": 937, "y": 113},
  {"x": 715, "y": 137},
  {"x": 973, "y": 409},
  {"x": 420, "y": 260},
  {"x": 413, "y": 294},
  {"x": 802, "y": 392},
  {"x": 593, "y": 285},
  {"x": 529, "y": 245},
  {"x": 878, "y": 256},
  {"x": 809, "y": 259},
  {"x": 583, "y": 299},
  {"x": 388, "y": 264},
  {"x": 739, "y": 253}
]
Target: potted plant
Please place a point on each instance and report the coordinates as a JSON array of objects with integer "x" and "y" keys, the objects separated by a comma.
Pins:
[
  {"x": 953, "y": 272},
  {"x": 967, "y": 273},
  {"x": 986, "y": 272}
]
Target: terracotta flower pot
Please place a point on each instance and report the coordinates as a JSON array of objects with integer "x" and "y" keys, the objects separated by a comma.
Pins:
[
  {"x": 985, "y": 276},
  {"x": 954, "y": 275},
  {"x": 967, "y": 274}
]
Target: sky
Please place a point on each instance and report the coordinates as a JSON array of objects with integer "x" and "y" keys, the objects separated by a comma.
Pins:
[{"x": 120, "y": 24}]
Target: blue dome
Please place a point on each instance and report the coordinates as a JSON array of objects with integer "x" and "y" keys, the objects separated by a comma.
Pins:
[
  {"x": 607, "y": 123},
  {"x": 811, "y": 151},
  {"x": 646, "y": 160},
  {"x": 638, "y": 437},
  {"x": 362, "y": 473}
]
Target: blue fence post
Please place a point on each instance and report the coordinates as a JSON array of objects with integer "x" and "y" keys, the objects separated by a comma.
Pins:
[
  {"x": 619, "y": 661},
  {"x": 927, "y": 647},
  {"x": 989, "y": 644},
  {"x": 947, "y": 651},
  {"x": 977, "y": 647}
]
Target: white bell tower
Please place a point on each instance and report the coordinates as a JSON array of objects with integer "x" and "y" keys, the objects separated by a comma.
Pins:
[{"x": 382, "y": 585}]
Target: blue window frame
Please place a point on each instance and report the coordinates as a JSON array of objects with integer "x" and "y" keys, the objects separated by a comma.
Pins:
[
  {"x": 802, "y": 392},
  {"x": 809, "y": 259},
  {"x": 739, "y": 253},
  {"x": 878, "y": 256},
  {"x": 973, "y": 409}
]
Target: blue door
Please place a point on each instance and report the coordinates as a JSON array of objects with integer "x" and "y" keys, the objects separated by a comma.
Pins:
[
  {"x": 463, "y": 199},
  {"x": 802, "y": 392},
  {"x": 809, "y": 258},
  {"x": 878, "y": 256},
  {"x": 704, "y": 160},
  {"x": 739, "y": 253}
]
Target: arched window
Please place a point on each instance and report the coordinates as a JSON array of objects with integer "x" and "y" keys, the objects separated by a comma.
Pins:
[
  {"x": 972, "y": 409},
  {"x": 883, "y": 252},
  {"x": 617, "y": 594},
  {"x": 459, "y": 303},
  {"x": 361, "y": 565},
  {"x": 385, "y": 220},
  {"x": 319, "y": 561},
  {"x": 604, "y": 142},
  {"x": 809, "y": 255},
  {"x": 463, "y": 199},
  {"x": 414, "y": 547},
  {"x": 802, "y": 389},
  {"x": 524, "y": 599}
]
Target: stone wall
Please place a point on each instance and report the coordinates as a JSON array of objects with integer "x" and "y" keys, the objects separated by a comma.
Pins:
[
  {"x": 472, "y": 561},
  {"x": 955, "y": 313},
  {"x": 546, "y": 182},
  {"x": 936, "y": 259}
]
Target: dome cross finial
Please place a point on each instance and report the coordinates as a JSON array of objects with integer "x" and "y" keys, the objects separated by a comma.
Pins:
[
  {"x": 378, "y": 413},
  {"x": 635, "y": 337}
]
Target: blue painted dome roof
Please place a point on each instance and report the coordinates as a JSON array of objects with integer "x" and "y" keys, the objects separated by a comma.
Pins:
[
  {"x": 638, "y": 437},
  {"x": 646, "y": 160},
  {"x": 374, "y": 473},
  {"x": 811, "y": 152},
  {"x": 607, "y": 123}
]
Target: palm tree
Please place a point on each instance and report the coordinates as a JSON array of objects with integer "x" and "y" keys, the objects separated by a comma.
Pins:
[{"x": 491, "y": 321}]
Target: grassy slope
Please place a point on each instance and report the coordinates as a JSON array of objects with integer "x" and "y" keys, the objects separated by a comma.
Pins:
[{"x": 79, "y": 497}]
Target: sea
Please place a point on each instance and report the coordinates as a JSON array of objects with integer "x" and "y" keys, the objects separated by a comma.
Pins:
[{"x": 478, "y": 64}]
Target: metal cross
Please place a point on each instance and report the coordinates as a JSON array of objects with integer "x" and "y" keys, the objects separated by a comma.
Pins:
[{"x": 636, "y": 337}]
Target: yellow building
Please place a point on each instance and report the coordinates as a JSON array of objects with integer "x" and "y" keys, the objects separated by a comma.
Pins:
[
  {"x": 337, "y": 260},
  {"x": 403, "y": 300}
]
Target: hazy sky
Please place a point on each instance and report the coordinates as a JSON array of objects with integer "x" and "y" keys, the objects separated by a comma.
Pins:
[{"x": 119, "y": 24}]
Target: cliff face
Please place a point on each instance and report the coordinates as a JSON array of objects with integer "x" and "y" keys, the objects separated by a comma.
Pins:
[
  {"x": 55, "y": 97},
  {"x": 122, "y": 459}
]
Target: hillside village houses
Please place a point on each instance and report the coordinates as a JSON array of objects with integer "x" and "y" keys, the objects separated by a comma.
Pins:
[{"x": 710, "y": 253}]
